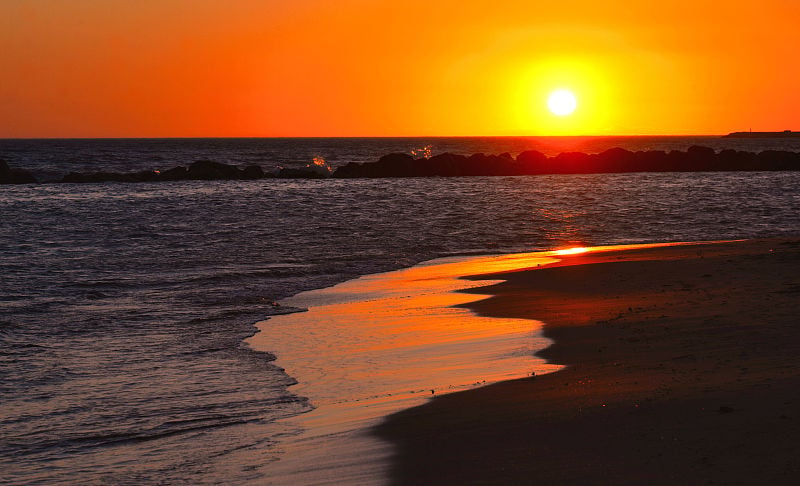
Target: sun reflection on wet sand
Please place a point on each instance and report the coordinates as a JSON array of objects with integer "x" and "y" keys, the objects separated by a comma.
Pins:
[
  {"x": 571, "y": 251},
  {"x": 386, "y": 342}
]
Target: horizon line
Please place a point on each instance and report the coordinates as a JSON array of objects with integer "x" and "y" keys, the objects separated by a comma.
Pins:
[{"x": 357, "y": 136}]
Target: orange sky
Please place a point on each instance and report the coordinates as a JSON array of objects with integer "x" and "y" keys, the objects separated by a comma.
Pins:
[{"x": 119, "y": 68}]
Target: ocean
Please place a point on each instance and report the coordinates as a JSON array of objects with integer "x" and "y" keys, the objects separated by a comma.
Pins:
[{"x": 124, "y": 307}]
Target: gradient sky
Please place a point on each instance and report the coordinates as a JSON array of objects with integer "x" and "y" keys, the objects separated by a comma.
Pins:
[{"x": 124, "y": 68}]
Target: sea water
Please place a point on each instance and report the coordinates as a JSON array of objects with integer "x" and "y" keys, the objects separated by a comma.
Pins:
[{"x": 123, "y": 307}]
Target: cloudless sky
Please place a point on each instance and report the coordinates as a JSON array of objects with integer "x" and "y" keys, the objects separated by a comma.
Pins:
[{"x": 121, "y": 68}]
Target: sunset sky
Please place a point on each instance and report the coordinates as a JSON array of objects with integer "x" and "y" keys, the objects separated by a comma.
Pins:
[{"x": 177, "y": 68}]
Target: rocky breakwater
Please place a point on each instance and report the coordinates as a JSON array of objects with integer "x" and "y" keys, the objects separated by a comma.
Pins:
[
  {"x": 202, "y": 170},
  {"x": 695, "y": 159},
  {"x": 616, "y": 160}
]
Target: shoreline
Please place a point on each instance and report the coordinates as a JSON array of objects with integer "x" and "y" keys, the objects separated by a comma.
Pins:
[
  {"x": 680, "y": 367},
  {"x": 382, "y": 343},
  {"x": 400, "y": 337}
]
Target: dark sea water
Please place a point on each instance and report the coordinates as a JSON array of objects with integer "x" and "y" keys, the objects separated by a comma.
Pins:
[{"x": 123, "y": 306}]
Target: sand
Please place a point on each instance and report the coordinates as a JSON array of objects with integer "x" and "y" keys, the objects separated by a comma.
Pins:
[
  {"x": 683, "y": 368},
  {"x": 378, "y": 344}
]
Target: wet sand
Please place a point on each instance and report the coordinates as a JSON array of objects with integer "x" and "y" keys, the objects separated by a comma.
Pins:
[
  {"x": 381, "y": 343},
  {"x": 683, "y": 368}
]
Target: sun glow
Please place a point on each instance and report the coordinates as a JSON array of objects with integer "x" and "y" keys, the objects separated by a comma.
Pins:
[
  {"x": 562, "y": 102},
  {"x": 590, "y": 81}
]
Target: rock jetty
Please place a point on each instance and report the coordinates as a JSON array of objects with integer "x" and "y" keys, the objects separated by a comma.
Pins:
[
  {"x": 695, "y": 159},
  {"x": 616, "y": 160}
]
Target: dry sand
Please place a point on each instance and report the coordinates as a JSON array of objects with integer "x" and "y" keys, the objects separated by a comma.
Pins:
[{"x": 684, "y": 368}]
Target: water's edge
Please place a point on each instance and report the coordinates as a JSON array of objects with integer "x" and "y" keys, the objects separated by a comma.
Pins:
[{"x": 369, "y": 377}]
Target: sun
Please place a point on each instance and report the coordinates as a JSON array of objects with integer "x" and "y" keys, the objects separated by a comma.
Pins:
[{"x": 562, "y": 102}]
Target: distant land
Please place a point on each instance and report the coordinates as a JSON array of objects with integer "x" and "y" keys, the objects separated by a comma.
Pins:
[{"x": 783, "y": 134}]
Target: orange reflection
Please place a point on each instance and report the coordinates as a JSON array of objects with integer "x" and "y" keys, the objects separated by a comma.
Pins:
[
  {"x": 367, "y": 344},
  {"x": 385, "y": 342},
  {"x": 571, "y": 251}
]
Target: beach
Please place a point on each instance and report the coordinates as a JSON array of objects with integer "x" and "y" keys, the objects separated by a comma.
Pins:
[
  {"x": 681, "y": 368},
  {"x": 371, "y": 242},
  {"x": 137, "y": 300}
]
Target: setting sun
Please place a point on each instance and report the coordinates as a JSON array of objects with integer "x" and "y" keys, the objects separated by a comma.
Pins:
[
  {"x": 562, "y": 102},
  {"x": 467, "y": 70}
]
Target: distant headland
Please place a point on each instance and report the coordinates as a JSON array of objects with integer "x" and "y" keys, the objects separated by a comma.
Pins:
[{"x": 783, "y": 134}]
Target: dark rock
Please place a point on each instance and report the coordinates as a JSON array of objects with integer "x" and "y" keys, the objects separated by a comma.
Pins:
[
  {"x": 701, "y": 159},
  {"x": 445, "y": 164},
  {"x": 5, "y": 171},
  {"x": 393, "y": 165},
  {"x": 735, "y": 160},
  {"x": 209, "y": 170},
  {"x": 532, "y": 162},
  {"x": 503, "y": 165},
  {"x": 395, "y": 159},
  {"x": 73, "y": 177},
  {"x": 778, "y": 160},
  {"x": 404, "y": 165},
  {"x": 350, "y": 170},
  {"x": 22, "y": 176},
  {"x": 571, "y": 163},
  {"x": 700, "y": 152},
  {"x": 15, "y": 176},
  {"x": 677, "y": 161},
  {"x": 651, "y": 161},
  {"x": 615, "y": 160},
  {"x": 253, "y": 172},
  {"x": 179, "y": 173},
  {"x": 478, "y": 165}
]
